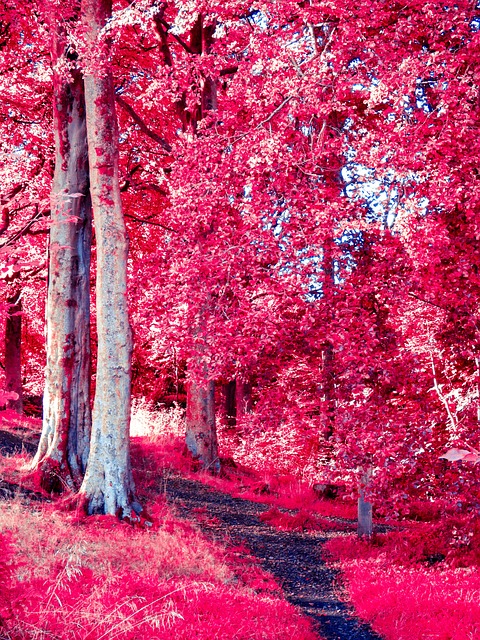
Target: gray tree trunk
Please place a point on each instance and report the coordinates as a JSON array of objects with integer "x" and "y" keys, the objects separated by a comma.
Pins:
[
  {"x": 365, "y": 519},
  {"x": 13, "y": 352},
  {"x": 108, "y": 484},
  {"x": 201, "y": 433},
  {"x": 62, "y": 454}
]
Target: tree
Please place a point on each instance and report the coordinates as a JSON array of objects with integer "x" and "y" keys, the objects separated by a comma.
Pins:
[
  {"x": 13, "y": 353},
  {"x": 108, "y": 484},
  {"x": 62, "y": 453},
  {"x": 303, "y": 216}
]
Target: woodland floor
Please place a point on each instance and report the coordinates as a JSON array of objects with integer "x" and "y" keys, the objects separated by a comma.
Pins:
[{"x": 293, "y": 558}]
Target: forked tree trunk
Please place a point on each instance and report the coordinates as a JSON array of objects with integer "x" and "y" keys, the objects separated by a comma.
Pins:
[
  {"x": 201, "y": 434},
  {"x": 13, "y": 352},
  {"x": 108, "y": 484},
  {"x": 62, "y": 453}
]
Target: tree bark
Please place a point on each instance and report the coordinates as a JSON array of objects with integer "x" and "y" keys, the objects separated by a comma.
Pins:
[
  {"x": 365, "y": 510},
  {"x": 229, "y": 394},
  {"x": 63, "y": 450},
  {"x": 13, "y": 352},
  {"x": 108, "y": 485},
  {"x": 201, "y": 434},
  {"x": 328, "y": 347},
  {"x": 365, "y": 523}
]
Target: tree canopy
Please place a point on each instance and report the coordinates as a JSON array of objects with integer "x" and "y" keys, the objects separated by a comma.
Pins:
[{"x": 300, "y": 186}]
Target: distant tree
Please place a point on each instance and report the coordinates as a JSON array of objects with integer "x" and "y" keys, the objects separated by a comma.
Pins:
[{"x": 13, "y": 352}]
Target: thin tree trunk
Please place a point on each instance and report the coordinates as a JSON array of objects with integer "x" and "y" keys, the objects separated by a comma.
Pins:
[
  {"x": 329, "y": 388},
  {"x": 365, "y": 510},
  {"x": 13, "y": 352},
  {"x": 328, "y": 350},
  {"x": 62, "y": 454},
  {"x": 243, "y": 399},
  {"x": 229, "y": 393},
  {"x": 108, "y": 485}
]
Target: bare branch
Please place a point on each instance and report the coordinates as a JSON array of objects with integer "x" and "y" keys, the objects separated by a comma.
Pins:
[
  {"x": 433, "y": 304},
  {"x": 270, "y": 117},
  {"x": 26, "y": 228},
  {"x": 143, "y": 127},
  {"x": 147, "y": 221}
]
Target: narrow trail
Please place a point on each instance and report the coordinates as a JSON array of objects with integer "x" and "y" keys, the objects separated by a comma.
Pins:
[{"x": 293, "y": 558}]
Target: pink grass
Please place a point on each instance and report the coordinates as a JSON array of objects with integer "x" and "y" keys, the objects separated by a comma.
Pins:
[
  {"x": 408, "y": 601},
  {"x": 284, "y": 491},
  {"x": 99, "y": 578}
]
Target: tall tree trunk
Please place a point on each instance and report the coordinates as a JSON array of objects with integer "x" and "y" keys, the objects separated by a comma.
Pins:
[
  {"x": 13, "y": 352},
  {"x": 62, "y": 454},
  {"x": 201, "y": 435},
  {"x": 328, "y": 348},
  {"x": 108, "y": 484}
]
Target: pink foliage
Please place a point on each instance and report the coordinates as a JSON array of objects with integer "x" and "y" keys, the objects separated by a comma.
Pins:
[
  {"x": 302, "y": 520},
  {"x": 402, "y": 597},
  {"x": 8, "y": 587}
]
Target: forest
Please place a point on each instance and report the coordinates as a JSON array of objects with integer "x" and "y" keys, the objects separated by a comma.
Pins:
[{"x": 239, "y": 319}]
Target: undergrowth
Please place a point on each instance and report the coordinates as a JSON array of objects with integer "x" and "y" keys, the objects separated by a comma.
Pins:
[
  {"x": 281, "y": 491},
  {"x": 419, "y": 582},
  {"x": 99, "y": 578},
  {"x": 66, "y": 577},
  {"x": 406, "y": 585}
]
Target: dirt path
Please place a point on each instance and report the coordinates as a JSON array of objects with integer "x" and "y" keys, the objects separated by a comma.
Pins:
[{"x": 293, "y": 558}]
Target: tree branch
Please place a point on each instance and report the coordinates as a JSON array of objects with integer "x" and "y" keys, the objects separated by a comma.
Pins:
[
  {"x": 146, "y": 221},
  {"x": 228, "y": 71},
  {"x": 433, "y": 304},
  {"x": 165, "y": 24},
  {"x": 270, "y": 117},
  {"x": 24, "y": 230},
  {"x": 141, "y": 124}
]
